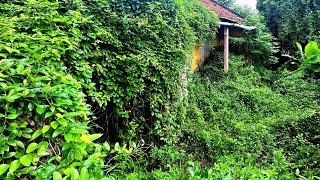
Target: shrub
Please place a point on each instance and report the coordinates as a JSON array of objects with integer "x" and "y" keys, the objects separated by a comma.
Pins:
[
  {"x": 310, "y": 57},
  {"x": 44, "y": 129}
]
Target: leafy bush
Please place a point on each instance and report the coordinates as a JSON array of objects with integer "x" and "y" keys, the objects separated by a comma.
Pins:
[
  {"x": 44, "y": 129},
  {"x": 133, "y": 67},
  {"x": 45, "y": 118},
  {"x": 311, "y": 57}
]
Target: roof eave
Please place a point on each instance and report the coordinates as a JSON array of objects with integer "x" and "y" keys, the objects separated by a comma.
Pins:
[{"x": 247, "y": 28}]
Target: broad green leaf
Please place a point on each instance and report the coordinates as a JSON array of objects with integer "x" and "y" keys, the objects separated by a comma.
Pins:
[
  {"x": 12, "y": 116},
  {"x": 3, "y": 168},
  {"x": 311, "y": 49},
  {"x": 54, "y": 124},
  {"x": 41, "y": 109},
  {"x": 43, "y": 147},
  {"x": 84, "y": 175},
  {"x": 26, "y": 159},
  {"x": 36, "y": 134},
  {"x": 20, "y": 144},
  {"x": 95, "y": 136},
  {"x": 48, "y": 114},
  {"x": 31, "y": 147},
  {"x": 75, "y": 174},
  {"x": 14, "y": 165},
  {"x": 62, "y": 121},
  {"x": 57, "y": 175},
  {"x": 57, "y": 132},
  {"x": 45, "y": 129}
]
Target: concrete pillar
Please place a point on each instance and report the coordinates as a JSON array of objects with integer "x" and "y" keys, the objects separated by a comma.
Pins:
[{"x": 226, "y": 49}]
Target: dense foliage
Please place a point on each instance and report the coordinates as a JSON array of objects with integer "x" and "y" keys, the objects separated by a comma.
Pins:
[
  {"x": 235, "y": 126},
  {"x": 243, "y": 127},
  {"x": 292, "y": 21},
  {"x": 65, "y": 62},
  {"x": 101, "y": 89},
  {"x": 227, "y": 3}
]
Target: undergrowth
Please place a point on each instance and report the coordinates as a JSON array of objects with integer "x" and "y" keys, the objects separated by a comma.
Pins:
[
  {"x": 236, "y": 126},
  {"x": 75, "y": 74}
]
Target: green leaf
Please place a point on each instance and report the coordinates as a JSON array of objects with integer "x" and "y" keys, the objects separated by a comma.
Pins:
[
  {"x": 63, "y": 122},
  {"x": 48, "y": 114},
  {"x": 69, "y": 137},
  {"x": 36, "y": 134},
  {"x": 300, "y": 49},
  {"x": 30, "y": 106},
  {"x": 84, "y": 175},
  {"x": 31, "y": 147},
  {"x": 9, "y": 155},
  {"x": 3, "y": 168},
  {"x": 12, "y": 116},
  {"x": 41, "y": 109},
  {"x": 57, "y": 175},
  {"x": 94, "y": 157},
  {"x": 107, "y": 146},
  {"x": 14, "y": 165},
  {"x": 43, "y": 147},
  {"x": 20, "y": 144},
  {"x": 117, "y": 147},
  {"x": 45, "y": 129},
  {"x": 75, "y": 174},
  {"x": 26, "y": 159},
  {"x": 57, "y": 132},
  {"x": 95, "y": 136},
  {"x": 54, "y": 124},
  {"x": 311, "y": 49}
]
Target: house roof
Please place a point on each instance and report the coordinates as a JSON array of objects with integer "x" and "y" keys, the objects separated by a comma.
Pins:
[{"x": 222, "y": 11}]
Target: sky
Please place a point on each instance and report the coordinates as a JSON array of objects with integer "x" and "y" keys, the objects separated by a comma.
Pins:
[{"x": 250, "y": 3}]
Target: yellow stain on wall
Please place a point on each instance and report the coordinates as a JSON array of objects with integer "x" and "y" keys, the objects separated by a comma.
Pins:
[{"x": 196, "y": 58}]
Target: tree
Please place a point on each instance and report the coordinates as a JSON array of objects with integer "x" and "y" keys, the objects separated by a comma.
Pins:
[
  {"x": 228, "y": 3},
  {"x": 292, "y": 21}
]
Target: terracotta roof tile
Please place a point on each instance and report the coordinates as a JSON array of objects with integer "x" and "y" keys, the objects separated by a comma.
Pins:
[{"x": 223, "y": 12}]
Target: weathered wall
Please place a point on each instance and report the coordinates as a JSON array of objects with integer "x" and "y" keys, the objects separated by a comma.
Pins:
[
  {"x": 196, "y": 58},
  {"x": 199, "y": 55}
]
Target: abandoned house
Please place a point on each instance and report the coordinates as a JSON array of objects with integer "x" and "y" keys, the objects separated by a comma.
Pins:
[{"x": 231, "y": 24}]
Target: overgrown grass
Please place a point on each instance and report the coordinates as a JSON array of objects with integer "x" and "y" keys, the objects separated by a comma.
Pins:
[{"x": 237, "y": 126}]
